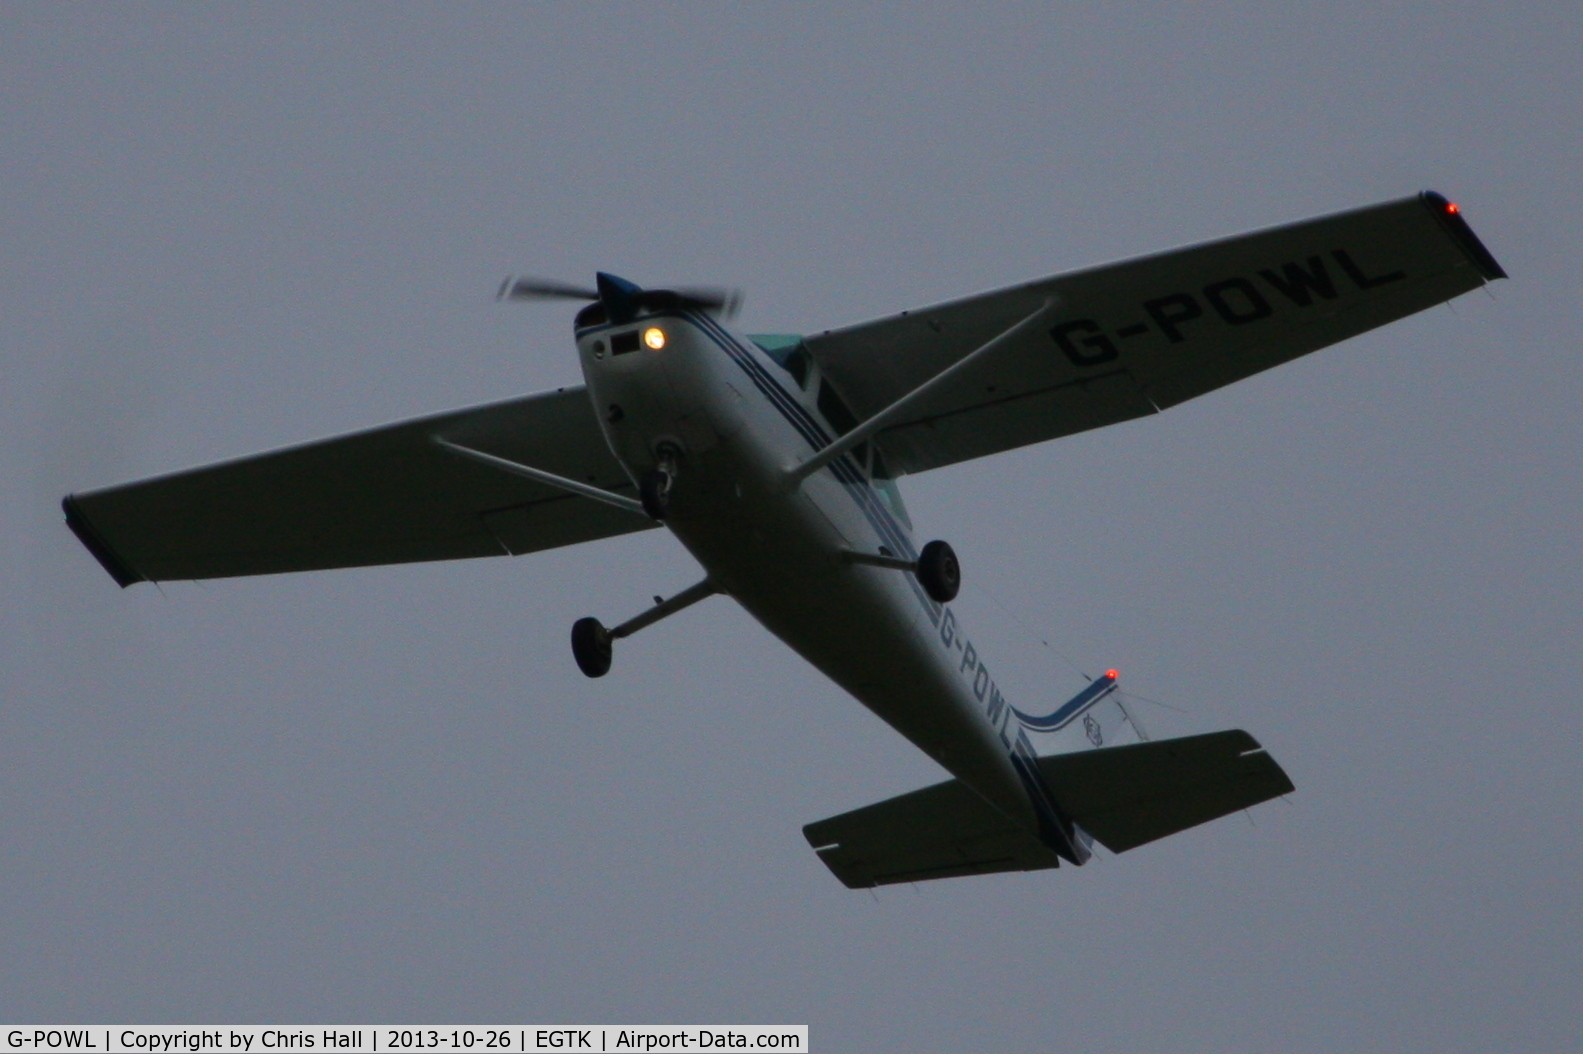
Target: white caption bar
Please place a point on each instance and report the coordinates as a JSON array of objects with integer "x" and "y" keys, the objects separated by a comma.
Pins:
[{"x": 389, "y": 1039}]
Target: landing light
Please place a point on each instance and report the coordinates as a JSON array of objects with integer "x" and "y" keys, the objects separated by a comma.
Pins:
[{"x": 654, "y": 337}]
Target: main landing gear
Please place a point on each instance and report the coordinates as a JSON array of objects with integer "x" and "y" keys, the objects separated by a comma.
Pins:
[
  {"x": 591, "y": 642},
  {"x": 936, "y": 568},
  {"x": 591, "y": 646},
  {"x": 939, "y": 572}
]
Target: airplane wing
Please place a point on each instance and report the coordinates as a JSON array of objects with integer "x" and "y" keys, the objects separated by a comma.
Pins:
[
  {"x": 383, "y": 496},
  {"x": 1124, "y": 796},
  {"x": 1133, "y": 338}
]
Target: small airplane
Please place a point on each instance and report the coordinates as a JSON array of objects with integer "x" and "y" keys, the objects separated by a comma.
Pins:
[{"x": 774, "y": 460}]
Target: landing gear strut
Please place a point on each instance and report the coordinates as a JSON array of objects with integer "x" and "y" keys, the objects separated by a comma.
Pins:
[{"x": 591, "y": 642}]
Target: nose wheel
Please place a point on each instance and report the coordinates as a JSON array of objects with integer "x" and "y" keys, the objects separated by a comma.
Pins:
[
  {"x": 654, "y": 486},
  {"x": 654, "y": 491}
]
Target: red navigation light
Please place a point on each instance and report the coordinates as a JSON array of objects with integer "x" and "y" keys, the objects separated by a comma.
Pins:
[
  {"x": 1451, "y": 208},
  {"x": 1111, "y": 674}
]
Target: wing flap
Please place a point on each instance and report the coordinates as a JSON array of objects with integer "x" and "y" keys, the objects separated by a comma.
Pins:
[
  {"x": 1175, "y": 325},
  {"x": 383, "y": 496}
]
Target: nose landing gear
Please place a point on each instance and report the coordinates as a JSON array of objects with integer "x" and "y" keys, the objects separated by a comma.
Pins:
[
  {"x": 654, "y": 491},
  {"x": 654, "y": 486}
]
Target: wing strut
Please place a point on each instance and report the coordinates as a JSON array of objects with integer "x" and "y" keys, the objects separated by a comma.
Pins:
[
  {"x": 864, "y": 431},
  {"x": 538, "y": 475}
]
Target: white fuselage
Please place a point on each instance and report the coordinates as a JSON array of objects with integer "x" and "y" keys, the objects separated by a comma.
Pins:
[{"x": 741, "y": 421}]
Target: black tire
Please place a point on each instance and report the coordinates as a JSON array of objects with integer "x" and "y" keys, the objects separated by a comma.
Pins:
[
  {"x": 654, "y": 491},
  {"x": 939, "y": 572},
  {"x": 591, "y": 647}
]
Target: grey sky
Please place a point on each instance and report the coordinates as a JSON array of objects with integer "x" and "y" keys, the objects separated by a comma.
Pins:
[{"x": 389, "y": 795}]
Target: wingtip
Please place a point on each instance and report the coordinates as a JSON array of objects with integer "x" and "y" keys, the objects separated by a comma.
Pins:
[
  {"x": 1450, "y": 216},
  {"x": 94, "y": 542}
]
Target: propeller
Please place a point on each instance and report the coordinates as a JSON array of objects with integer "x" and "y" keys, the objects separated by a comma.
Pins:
[
  {"x": 515, "y": 288},
  {"x": 622, "y": 297},
  {"x": 726, "y": 302}
]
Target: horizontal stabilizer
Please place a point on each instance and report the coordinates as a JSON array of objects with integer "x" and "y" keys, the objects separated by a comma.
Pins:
[
  {"x": 1128, "y": 796},
  {"x": 1124, "y": 796},
  {"x": 939, "y": 832}
]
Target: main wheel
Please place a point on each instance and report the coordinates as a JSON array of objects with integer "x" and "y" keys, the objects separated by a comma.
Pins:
[
  {"x": 591, "y": 646},
  {"x": 939, "y": 573},
  {"x": 654, "y": 491}
]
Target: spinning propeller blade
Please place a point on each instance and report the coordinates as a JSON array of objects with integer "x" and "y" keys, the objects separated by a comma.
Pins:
[
  {"x": 515, "y": 288},
  {"x": 726, "y": 302},
  {"x": 621, "y": 296}
]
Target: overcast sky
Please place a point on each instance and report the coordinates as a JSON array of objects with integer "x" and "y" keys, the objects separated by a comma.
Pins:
[{"x": 388, "y": 794}]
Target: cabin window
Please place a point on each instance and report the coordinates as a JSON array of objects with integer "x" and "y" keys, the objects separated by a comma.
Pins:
[
  {"x": 884, "y": 485},
  {"x": 891, "y": 496},
  {"x": 835, "y": 409},
  {"x": 797, "y": 365},
  {"x": 788, "y": 352}
]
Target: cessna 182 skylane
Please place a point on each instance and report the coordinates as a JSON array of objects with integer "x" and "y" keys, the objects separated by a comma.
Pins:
[{"x": 773, "y": 459}]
